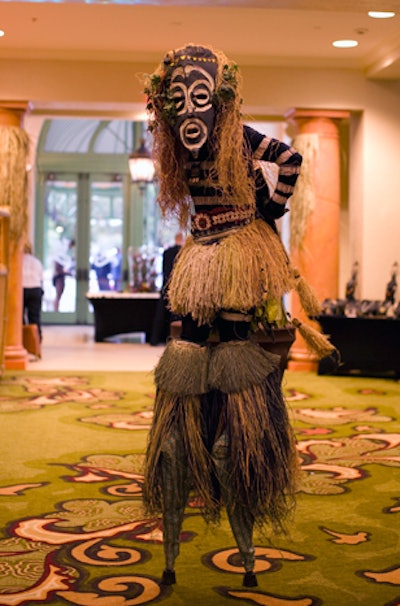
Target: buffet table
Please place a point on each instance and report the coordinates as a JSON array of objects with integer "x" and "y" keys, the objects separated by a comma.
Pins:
[
  {"x": 366, "y": 344},
  {"x": 119, "y": 313}
]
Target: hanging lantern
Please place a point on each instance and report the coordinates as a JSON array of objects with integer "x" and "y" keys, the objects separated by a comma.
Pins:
[{"x": 141, "y": 165}]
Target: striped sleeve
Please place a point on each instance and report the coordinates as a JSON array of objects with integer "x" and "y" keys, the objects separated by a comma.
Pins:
[{"x": 288, "y": 160}]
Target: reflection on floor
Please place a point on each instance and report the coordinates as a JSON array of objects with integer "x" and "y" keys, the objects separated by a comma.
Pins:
[{"x": 74, "y": 348}]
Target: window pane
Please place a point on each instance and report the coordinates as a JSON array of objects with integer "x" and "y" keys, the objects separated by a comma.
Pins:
[
  {"x": 59, "y": 245},
  {"x": 106, "y": 223}
]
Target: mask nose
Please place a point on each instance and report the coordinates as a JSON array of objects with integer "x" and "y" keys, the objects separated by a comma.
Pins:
[{"x": 190, "y": 108}]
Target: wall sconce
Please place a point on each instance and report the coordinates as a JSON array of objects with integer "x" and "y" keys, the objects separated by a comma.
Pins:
[{"x": 141, "y": 166}]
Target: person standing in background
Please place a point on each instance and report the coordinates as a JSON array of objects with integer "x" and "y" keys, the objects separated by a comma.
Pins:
[
  {"x": 116, "y": 270},
  {"x": 64, "y": 265},
  {"x": 163, "y": 317},
  {"x": 32, "y": 282},
  {"x": 169, "y": 259},
  {"x": 102, "y": 267}
]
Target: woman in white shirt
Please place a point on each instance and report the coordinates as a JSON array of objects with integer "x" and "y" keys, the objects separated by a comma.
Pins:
[{"x": 32, "y": 282}]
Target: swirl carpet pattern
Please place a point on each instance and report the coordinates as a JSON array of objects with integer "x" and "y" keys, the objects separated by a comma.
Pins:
[{"x": 73, "y": 531}]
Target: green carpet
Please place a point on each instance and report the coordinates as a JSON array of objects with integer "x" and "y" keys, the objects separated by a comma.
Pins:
[{"x": 73, "y": 531}]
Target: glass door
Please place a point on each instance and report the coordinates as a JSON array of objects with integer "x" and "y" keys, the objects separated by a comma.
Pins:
[
  {"x": 58, "y": 238},
  {"x": 106, "y": 234},
  {"x": 80, "y": 239}
]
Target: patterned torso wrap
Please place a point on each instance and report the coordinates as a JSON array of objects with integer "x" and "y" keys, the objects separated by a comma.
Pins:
[{"x": 210, "y": 273}]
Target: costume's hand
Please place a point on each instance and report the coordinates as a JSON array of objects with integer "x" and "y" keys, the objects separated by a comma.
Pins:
[
  {"x": 268, "y": 209},
  {"x": 272, "y": 210}
]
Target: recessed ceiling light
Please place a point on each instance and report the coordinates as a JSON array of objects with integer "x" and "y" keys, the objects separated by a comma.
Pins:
[
  {"x": 2, "y": 33},
  {"x": 381, "y": 14},
  {"x": 345, "y": 43}
]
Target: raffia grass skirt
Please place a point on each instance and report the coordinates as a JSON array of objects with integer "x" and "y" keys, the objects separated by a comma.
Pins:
[
  {"x": 234, "y": 419},
  {"x": 237, "y": 272}
]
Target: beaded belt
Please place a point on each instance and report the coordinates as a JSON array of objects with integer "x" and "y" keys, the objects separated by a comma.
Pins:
[{"x": 217, "y": 221}]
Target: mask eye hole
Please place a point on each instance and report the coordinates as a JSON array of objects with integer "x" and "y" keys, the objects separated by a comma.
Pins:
[
  {"x": 179, "y": 98},
  {"x": 201, "y": 96}
]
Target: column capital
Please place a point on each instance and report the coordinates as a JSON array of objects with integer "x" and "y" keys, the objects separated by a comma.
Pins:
[
  {"x": 12, "y": 112},
  {"x": 323, "y": 122},
  {"x": 304, "y": 113}
]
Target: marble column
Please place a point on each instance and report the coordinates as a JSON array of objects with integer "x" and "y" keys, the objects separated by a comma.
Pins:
[
  {"x": 15, "y": 355},
  {"x": 316, "y": 255}
]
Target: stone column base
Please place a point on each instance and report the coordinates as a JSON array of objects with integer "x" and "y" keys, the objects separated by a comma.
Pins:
[{"x": 15, "y": 358}]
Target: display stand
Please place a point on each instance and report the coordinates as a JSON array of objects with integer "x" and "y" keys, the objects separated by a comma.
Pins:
[
  {"x": 368, "y": 345},
  {"x": 120, "y": 313}
]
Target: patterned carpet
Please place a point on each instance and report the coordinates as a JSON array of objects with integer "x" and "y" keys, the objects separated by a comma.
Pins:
[{"x": 73, "y": 530}]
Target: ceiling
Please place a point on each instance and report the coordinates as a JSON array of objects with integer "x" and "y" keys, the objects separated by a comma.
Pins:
[{"x": 258, "y": 32}]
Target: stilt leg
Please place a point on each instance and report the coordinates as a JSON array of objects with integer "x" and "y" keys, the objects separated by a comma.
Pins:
[
  {"x": 175, "y": 488},
  {"x": 240, "y": 518}
]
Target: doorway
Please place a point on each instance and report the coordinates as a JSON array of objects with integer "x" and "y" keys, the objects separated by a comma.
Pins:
[
  {"x": 82, "y": 234},
  {"x": 89, "y": 215}
]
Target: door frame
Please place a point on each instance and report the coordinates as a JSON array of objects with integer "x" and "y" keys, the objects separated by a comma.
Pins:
[
  {"x": 85, "y": 167},
  {"x": 132, "y": 216}
]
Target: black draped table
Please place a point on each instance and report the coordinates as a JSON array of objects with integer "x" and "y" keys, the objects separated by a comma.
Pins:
[
  {"x": 367, "y": 344},
  {"x": 119, "y": 313}
]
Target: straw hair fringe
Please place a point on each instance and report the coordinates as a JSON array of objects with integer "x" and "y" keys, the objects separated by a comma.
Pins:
[
  {"x": 14, "y": 150},
  {"x": 207, "y": 278},
  {"x": 232, "y": 155},
  {"x": 263, "y": 456},
  {"x": 303, "y": 200},
  {"x": 307, "y": 296},
  {"x": 317, "y": 342},
  {"x": 183, "y": 368},
  {"x": 237, "y": 365},
  {"x": 176, "y": 435}
]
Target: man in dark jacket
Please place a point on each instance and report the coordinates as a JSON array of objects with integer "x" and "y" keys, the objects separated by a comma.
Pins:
[{"x": 163, "y": 317}]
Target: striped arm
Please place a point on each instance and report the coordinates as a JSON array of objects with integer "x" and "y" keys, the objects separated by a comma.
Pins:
[{"x": 285, "y": 157}]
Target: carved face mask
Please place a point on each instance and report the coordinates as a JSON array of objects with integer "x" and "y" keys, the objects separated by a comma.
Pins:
[{"x": 191, "y": 88}]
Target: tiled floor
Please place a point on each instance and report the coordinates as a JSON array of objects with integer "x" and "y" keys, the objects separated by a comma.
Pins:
[{"x": 74, "y": 348}]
